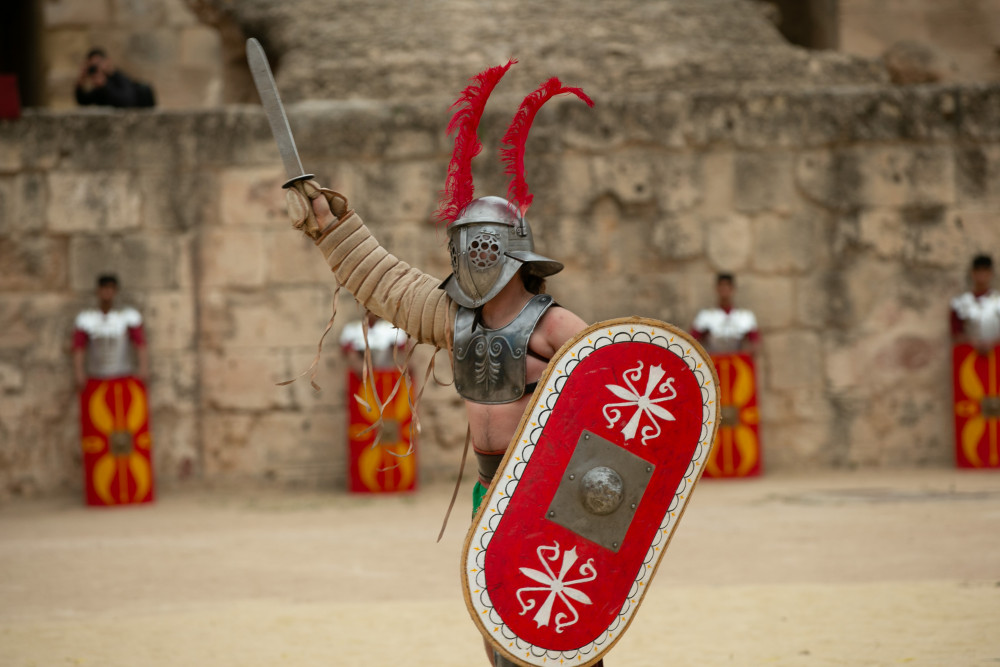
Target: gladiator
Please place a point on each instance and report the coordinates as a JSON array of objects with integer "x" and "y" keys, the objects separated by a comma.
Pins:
[{"x": 491, "y": 314}]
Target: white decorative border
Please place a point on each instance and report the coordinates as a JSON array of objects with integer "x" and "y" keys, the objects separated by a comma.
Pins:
[{"x": 517, "y": 460}]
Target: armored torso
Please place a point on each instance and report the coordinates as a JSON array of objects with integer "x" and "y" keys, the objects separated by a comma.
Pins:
[{"x": 490, "y": 364}]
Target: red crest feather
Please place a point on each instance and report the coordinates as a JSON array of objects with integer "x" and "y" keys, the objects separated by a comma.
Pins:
[
  {"x": 458, "y": 187},
  {"x": 517, "y": 137}
]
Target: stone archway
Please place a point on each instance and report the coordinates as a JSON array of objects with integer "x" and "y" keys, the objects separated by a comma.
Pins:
[
  {"x": 237, "y": 86},
  {"x": 813, "y": 24}
]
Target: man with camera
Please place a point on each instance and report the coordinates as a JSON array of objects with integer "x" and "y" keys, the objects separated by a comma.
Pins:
[{"x": 101, "y": 84}]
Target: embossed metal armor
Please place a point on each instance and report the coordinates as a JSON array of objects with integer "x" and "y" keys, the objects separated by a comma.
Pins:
[
  {"x": 491, "y": 364},
  {"x": 489, "y": 242}
]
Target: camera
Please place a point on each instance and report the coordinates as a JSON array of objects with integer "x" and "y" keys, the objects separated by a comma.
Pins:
[{"x": 92, "y": 70}]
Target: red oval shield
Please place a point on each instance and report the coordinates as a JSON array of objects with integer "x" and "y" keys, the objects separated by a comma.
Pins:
[{"x": 588, "y": 495}]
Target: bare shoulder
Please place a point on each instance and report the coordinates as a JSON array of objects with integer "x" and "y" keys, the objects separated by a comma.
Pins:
[{"x": 556, "y": 327}]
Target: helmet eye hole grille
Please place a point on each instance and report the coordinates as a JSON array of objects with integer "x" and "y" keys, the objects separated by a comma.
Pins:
[{"x": 484, "y": 250}]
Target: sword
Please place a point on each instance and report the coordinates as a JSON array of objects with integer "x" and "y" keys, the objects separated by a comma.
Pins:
[{"x": 271, "y": 101}]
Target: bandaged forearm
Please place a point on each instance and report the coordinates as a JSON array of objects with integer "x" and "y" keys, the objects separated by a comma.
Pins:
[{"x": 386, "y": 285}]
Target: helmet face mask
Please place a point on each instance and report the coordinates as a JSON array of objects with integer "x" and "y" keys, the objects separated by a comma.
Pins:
[
  {"x": 478, "y": 259},
  {"x": 489, "y": 242}
]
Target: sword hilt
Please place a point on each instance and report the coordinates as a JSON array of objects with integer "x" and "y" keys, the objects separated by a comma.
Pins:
[{"x": 292, "y": 181}]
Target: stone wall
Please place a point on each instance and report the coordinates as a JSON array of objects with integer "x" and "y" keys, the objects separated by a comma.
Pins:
[
  {"x": 960, "y": 37},
  {"x": 157, "y": 41},
  {"x": 849, "y": 217}
]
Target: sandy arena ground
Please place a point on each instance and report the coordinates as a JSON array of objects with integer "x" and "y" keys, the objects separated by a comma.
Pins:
[{"x": 846, "y": 569}]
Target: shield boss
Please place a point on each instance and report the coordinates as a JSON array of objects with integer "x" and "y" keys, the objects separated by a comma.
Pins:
[{"x": 601, "y": 490}]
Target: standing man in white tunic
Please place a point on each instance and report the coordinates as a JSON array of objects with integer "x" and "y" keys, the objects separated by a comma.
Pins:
[
  {"x": 105, "y": 337},
  {"x": 725, "y": 328},
  {"x": 975, "y": 315}
]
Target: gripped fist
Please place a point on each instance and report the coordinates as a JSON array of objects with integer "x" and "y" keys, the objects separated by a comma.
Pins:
[{"x": 312, "y": 208}]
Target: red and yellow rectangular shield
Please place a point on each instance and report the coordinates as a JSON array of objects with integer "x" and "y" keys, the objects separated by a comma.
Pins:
[
  {"x": 977, "y": 407},
  {"x": 389, "y": 465},
  {"x": 117, "y": 447},
  {"x": 737, "y": 451}
]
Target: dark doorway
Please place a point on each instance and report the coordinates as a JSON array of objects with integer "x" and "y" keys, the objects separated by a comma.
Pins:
[
  {"x": 21, "y": 48},
  {"x": 813, "y": 24}
]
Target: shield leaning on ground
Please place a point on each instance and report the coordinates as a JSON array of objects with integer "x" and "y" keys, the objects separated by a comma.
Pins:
[
  {"x": 737, "y": 443},
  {"x": 977, "y": 407},
  {"x": 590, "y": 491}
]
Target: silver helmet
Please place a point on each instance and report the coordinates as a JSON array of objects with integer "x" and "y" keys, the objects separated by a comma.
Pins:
[{"x": 489, "y": 242}]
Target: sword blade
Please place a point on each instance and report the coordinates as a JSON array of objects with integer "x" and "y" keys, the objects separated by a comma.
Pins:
[{"x": 271, "y": 101}]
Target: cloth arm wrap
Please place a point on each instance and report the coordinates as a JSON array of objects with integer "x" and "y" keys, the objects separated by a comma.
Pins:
[{"x": 386, "y": 285}]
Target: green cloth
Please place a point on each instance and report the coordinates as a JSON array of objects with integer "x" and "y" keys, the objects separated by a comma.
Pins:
[{"x": 478, "y": 493}]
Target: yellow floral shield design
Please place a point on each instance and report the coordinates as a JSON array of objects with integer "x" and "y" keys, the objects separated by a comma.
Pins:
[{"x": 116, "y": 442}]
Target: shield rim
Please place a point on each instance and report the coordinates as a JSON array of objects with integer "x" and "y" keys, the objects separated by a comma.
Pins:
[{"x": 625, "y": 326}]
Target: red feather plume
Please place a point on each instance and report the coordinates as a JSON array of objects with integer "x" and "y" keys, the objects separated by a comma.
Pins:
[
  {"x": 517, "y": 137},
  {"x": 458, "y": 187}
]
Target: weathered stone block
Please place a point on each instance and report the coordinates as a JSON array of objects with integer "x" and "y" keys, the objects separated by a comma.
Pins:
[
  {"x": 244, "y": 380},
  {"x": 424, "y": 244},
  {"x": 813, "y": 306},
  {"x": 331, "y": 373},
  {"x": 884, "y": 176},
  {"x": 730, "y": 241},
  {"x": 177, "y": 200},
  {"x": 678, "y": 180},
  {"x": 287, "y": 447},
  {"x": 169, "y": 319},
  {"x": 978, "y": 228},
  {"x": 150, "y": 49},
  {"x": 65, "y": 50},
  {"x": 794, "y": 360},
  {"x": 11, "y": 158},
  {"x": 764, "y": 182},
  {"x": 179, "y": 14},
  {"x": 252, "y": 198},
  {"x": 810, "y": 405},
  {"x": 980, "y": 108},
  {"x": 226, "y": 445},
  {"x": 575, "y": 186},
  {"x": 232, "y": 258},
  {"x": 22, "y": 200},
  {"x": 93, "y": 202},
  {"x": 138, "y": 14},
  {"x": 11, "y": 378},
  {"x": 291, "y": 258},
  {"x": 142, "y": 262},
  {"x": 37, "y": 325},
  {"x": 307, "y": 448},
  {"x": 33, "y": 263},
  {"x": 717, "y": 181},
  {"x": 278, "y": 318},
  {"x": 910, "y": 428},
  {"x": 679, "y": 236},
  {"x": 796, "y": 446},
  {"x": 772, "y": 299},
  {"x": 175, "y": 436},
  {"x": 76, "y": 12},
  {"x": 977, "y": 175},
  {"x": 405, "y": 191},
  {"x": 774, "y": 406},
  {"x": 408, "y": 144},
  {"x": 627, "y": 176},
  {"x": 174, "y": 376},
  {"x": 787, "y": 245}
]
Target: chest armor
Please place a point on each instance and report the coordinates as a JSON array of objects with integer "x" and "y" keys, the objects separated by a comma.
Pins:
[{"x": 490, "y": 364}]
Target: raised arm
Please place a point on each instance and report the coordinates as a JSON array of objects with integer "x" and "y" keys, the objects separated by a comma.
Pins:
[{"x": 382, "y": 283}]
